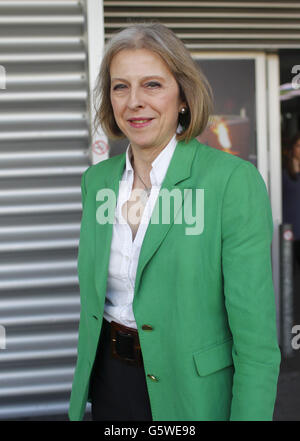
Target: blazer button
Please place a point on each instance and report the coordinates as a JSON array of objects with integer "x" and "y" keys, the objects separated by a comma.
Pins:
[
  {"x": 152, "y": 377},
  {"x": 147, "y": 328}
]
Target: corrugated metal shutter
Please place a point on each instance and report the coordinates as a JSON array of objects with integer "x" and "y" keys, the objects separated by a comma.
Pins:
[
  {"x": 215, "y": 25},
  {"x": 44, "y": 141}
]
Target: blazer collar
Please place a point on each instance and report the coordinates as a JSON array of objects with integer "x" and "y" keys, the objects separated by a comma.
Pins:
[{"x": 178, "y": 170}]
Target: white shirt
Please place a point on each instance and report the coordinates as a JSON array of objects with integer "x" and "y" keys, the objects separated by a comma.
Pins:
[{"x": 124, "y": 253}]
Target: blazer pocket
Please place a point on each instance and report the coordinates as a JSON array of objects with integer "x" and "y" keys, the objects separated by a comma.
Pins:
[{"x": 214, "y": 358}]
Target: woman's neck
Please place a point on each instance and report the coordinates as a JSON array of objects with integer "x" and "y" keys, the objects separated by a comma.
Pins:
[
  {"x": 296, "y": 165},
  {"x": 141, "y": 159}
]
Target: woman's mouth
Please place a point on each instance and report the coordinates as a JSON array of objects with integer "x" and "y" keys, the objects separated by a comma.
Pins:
[{"x": 140, "y": 122}]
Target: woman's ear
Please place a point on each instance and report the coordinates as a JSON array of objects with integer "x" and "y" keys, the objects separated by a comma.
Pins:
[{"x": 183, "y": 109}]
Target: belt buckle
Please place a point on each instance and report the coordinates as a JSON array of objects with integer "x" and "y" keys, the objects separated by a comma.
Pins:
[{"x": 115, "y": 328}]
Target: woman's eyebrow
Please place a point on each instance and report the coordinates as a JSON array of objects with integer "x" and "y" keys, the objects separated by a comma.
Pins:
[
  {"x": 148, "y": 77},
  {"x": 118, "y": 79}
]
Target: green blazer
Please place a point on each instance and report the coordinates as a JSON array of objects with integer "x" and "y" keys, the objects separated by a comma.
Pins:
[{"x": 209, "y": 297}]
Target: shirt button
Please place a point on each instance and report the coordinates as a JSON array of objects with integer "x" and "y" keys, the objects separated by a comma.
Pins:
[
  {"x": 153, "y": 378},
  {"x": 147, "y": 328}
]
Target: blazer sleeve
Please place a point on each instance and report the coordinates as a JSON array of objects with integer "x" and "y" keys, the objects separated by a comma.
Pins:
[
  {"x": 83, "y": 188},
  {"x": 247, "y": 229}
]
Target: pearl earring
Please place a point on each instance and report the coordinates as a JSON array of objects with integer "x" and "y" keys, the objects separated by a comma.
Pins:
[{"x": 183, "y": 110}]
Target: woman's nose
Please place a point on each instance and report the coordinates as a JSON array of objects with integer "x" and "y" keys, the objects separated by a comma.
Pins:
[{"x": 135, "y": 99}]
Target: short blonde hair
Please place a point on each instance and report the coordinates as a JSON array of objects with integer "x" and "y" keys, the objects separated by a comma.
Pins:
[{"x": 193, "y": 85}]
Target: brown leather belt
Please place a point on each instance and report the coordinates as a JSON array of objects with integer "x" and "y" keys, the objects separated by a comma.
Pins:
[{"x": 125, "y": 344}]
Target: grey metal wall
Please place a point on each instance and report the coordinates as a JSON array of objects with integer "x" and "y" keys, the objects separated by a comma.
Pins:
[
  {"x": 214, "y": 24},
  {"x": 44, "y": 139}
]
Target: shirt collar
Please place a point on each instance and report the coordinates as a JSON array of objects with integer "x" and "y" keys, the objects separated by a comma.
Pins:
[{"x": 159, "y": 165}]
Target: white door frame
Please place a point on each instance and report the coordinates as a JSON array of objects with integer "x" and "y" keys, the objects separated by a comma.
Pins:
[
  {"x": 261, "y": 100},
  {"x": 275, "y": 167},
  {"x": 268, "y": 140},
  {"x": 99, "y": 148}
]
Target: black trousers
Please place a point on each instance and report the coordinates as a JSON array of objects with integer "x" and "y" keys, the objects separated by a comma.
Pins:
[
  {"x": 297, "y": 251},
  {"x": 118, "y": 391}
]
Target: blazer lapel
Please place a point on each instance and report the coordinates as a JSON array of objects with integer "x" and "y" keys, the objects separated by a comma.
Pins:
[
  {"x": 103, "y": 232},
  {"x": 178, "y": 171}
]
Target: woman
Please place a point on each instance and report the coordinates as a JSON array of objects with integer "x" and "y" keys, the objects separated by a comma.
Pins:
[
  {"x": 177, "y": 312},
  {"x": 291, "y": 191}
]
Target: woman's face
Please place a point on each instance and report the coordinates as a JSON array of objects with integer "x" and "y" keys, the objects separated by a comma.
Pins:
[
  {"x": 145, "y": 98},
  {"x": 296, "y": 150}
]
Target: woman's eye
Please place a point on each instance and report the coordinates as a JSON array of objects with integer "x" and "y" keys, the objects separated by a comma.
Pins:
[
  {"x": 119, "y": 87},
  {"x": 153, "y": 84}
]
